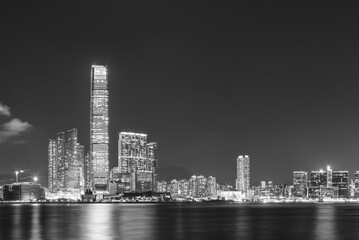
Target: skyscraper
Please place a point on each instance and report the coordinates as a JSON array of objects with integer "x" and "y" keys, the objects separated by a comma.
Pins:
[
  {"x": 99, "y": 121},
  {"x": 243, "y": 174},
  {"x": 152, "y": 162},
  {"x": 341, "y": 183},
  {"x": 318, "y": 178},
  {"x": 61, "y": 164},
  {"x": 138, "y": 158},
  {"x": 52, "y": 172},
  {"x": 65, "y": 163},
  {"x": 300, "y": 179},
  {"x": 74, "y": 164}
]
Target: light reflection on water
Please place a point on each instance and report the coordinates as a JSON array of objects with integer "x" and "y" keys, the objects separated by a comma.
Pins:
[{"x": 179, "y": 221}]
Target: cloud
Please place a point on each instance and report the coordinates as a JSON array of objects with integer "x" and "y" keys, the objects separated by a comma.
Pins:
[
  {"x": 13, "y": 128},
  {"x": 4, "y": 110}
]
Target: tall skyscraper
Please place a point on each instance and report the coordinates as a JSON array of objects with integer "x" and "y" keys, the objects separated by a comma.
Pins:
[
  {"x": 65, "y": 163},
  {"x": 243, "y": 174},
  {"x": 61, "y": 164},
  {"x": 52, "y": 172},
  {"x": 73, "y": 162},
  {"x": 152, "y": 162},
  {"x": 99, "y": 121},
  {"x": 138, "y": 158}
]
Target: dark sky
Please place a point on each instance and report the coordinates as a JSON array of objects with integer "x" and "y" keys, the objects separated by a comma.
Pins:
[{"x": 273, "y": 79}]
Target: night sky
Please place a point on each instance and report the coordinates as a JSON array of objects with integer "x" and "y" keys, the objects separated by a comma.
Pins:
[{"x": 276, "y": 80}]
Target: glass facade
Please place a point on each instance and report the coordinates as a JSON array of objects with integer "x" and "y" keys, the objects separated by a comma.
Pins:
[
  {"x": 243, "y": 174},
  {"x": 65, "y": 163},
  {"x": 138, "y": 158},
  {"x": 99, "y": 121},
  {"x": 300, "y": 179},
  {"x": 52, "y": 174},
  {"x": 61, "y": 163}
]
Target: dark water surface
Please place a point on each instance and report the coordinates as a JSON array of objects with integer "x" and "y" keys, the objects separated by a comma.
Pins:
[{"x": 179, "y": 221}]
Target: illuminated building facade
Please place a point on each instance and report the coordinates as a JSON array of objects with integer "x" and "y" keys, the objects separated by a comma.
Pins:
[
  {"x": 243, "y": 174},
  {"x": 211, "y": 187},
  {"x": 300, "y": 179},
  {"x": 341, "y": 183},
  {"x": 87, "y": 172},
  {"x": 356, "y": 179},
  {"x": 52, "y": 172},
  {"x": 318, "y": 178},
  {"x": 162, "y": 186},
  {"x": 138, "y": 158},
  {"x": 74, "y": 161},
  {"x": 329, "y": 183},
  {"x": 61, "y": 163},
  {"x": 65, "y": 163},
  {"x": 151, "y": 149},
  {"x": 99, "y": 121}
]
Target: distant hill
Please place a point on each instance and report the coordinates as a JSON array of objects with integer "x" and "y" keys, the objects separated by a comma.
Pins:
[{"x": 171, "y": 172}]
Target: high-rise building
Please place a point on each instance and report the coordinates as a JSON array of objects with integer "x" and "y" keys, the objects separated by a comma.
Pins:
[
  {"x": 318, "y": 178},
  {"x": 61, "y": 164},
  {"x": 138, "y": 158},
  {"x": 73, "y": 161},
  {"x": 329, "y": 176},
  {"x": 99, "y": 121},
  {"x": 243, "y": 174},
  {"x": 65, "y": 163},
  {"x": 87, "y": 172},
  {"x": 52, "y": 172},
  {"x": 356, "y": 179},
  {"x": 341, "y": 183},
  {"x": 211, "y": 187},
  {"x": 151, "y": 149},
  {"x": 300, "y": 179}
]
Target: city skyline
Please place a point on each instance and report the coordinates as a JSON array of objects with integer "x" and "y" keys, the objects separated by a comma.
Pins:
[{"x": 261, "y": 80}]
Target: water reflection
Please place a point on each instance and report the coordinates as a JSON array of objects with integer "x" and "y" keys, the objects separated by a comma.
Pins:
[
  {"x": 35, "y": 230},
  {"x": 97, "y": 222},
  {"x": 325, "y": 222},
  {"x": 179, "y": 221}
]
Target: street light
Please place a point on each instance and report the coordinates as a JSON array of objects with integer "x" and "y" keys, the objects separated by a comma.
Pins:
[
  {"x": 35, "y": 178},
  {"x": 17, "y": 171},
  {"x": 17, "y": 174}
]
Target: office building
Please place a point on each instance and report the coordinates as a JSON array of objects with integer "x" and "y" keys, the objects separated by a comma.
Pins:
[
  {"x": 52, "y": 170},
  {"x": 341, "y": 183},
  {"x": 356, "y": 179},
  {"x": 243, "y": 174},
  {"x": 74, "y": 161},
  {"x": 300, "y": 179},
  {"x": 61, "y": 163},
  {"x": 88, "y": 176},
  {"x": 318, "y": 178},
  {"x": 138, "y": 158},
  {"x": 99, "y": 121},
  {"x": 65, "y": 163}
]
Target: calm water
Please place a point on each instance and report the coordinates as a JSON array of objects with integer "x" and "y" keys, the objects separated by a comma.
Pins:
[{"x": 179, "y": 221}]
